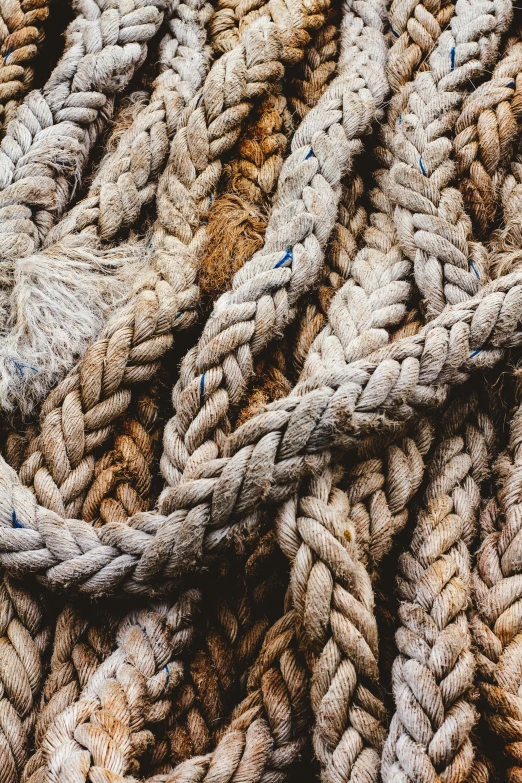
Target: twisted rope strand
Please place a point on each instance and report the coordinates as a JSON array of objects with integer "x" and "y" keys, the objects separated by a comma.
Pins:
[
  {"x": 47, "y": 144},
  {"x": 430, "y": 733},
  {"x": 485, "y": 134},
  {"x": 333, "y": 600},
  {"x": 215, "y": 374},
  {"x": 432, "y": 226},
  {"x": 22, "y": 31},
  {"x": 396, "y": 381},
  {"x": 25, "y": 637},
  {"x": 62, "y": 295}
]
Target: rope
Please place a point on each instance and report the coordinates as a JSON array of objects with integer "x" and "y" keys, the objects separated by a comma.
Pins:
[
  {"x": 47, "y": 144},
  {"x": 434, "y": 672},
  {"x": 22, "y": 31},
  {"x": 25, "y": 637},
  {"x": 333, "y": 600},
  {"x": 224, "y": 122},
  {"x": 432, "y": 226},
  {"x": 486, "y": 132}
]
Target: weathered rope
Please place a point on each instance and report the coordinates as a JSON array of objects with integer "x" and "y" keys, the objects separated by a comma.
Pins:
[
  {"x": 244, "y": 321},
  {"x": 486, "y": 131},
  {"x": 126, "y": 694},
  {"x": 433, "y": 674},
  {"x": 360, "y": 397},
  {"x": 127, "y": 178},
  {"x": 22, "y": 31},
  {"x": 25, "y": 638},
  {"x": 47, "y": 144},
  {"x": 333, "y": 600},
  {"x": 432, "y": 226},
  {"x": 62, "y": 296}
]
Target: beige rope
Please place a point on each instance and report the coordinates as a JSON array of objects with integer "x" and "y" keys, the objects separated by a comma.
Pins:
[
  {"x": 22, "y": 31},
  {"x": 486, "y": 131},
  {"x": 25, "y": 637},
  {"x": 430, "y": 731}
]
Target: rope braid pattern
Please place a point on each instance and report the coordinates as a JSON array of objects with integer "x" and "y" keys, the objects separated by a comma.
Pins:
[
  {"x": 21, "y": 34},
  {"x": 215, "y": 374},
  {"x": 107, "y": 727},
  {"x": 434, "y": 671},
  {"x": 44, "y": 341},
  {"x": 432, "y": 226},
  {"x": 312, "y": 75},
  {"x": 497, "y": 574},
  {"x": 168, "y": 297},
  {"x": 486, "y": 131},
  {"x": 47, "y": 144},
  {"x": 379, "y": 269},
  {"x": 25, "y": 636},
  {"x": 266, "y": 735},
  {"x": 127, "y": 178},
  {"x": 397, "y": 381},
  {"x": 333, "y": 600},
  {"x": 231, "y": 638}
]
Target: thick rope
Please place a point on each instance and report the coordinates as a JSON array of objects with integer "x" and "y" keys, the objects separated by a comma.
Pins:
[
  {"x": 127, "y": 178},
  {"x": 179, "y": 238},
  {"x": 22, "y": 31},
  {"x": 47, "y": 144},
  {"x": 433, "y": 675},
  {"x": 215, "y": 374},
  {"x": 25, "y": 637},
  {"x": 432, "y": 226},
  {"x": 62, "y": 296},
  {"x": 333, "y": 600},
  {"x": 124, "y": 696},
  {"x": 359, "y": 398},
  {"x": 486, "y": 131}
]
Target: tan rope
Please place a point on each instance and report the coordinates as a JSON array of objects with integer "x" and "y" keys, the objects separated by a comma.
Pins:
[
  {"x": 486, "y": 131},
  {"x": 430, "y": 733},
  {"x": 22, "y": 31}
]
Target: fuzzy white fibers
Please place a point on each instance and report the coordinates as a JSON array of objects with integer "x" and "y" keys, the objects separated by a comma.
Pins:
[{"x": 58, "y": 302}]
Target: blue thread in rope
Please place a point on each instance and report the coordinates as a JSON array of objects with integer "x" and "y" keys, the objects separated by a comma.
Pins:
[
  {"x": 309, "y": 154},
  {"x": 202, "y": 389},
  {"x": 394, "y": 33},
  {"x": 20, "y": 366},
  {"x": 472, "y": 265},
  {"x": 16, "y": 523},
  {"x": 512, "y": 85},
  {"x": 422, "y": 166},
  {"x": 400, "y": 119},
  {"x": 199, "y": 99},
  {"x": 287, "y": 256},
  {"x": 475, "y": 353},
  {"x": 453, "y": 52}
]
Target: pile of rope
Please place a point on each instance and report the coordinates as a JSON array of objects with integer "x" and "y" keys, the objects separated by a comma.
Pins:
[{"x": 260, "y": 391}]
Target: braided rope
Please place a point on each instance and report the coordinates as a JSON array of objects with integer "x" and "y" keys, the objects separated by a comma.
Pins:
[
  {"x": 360, "y": 397},
  {"x": 21, "y": 34},
  {"x": 432, "y": 226},
  {"x": 47, "y": 144},
  {"x": 496, "y": 586},
  {"x": 215, "y": 374},
  {"x": 25, "y": 637},
  {"x": 62, "y": 296},
  {"x": 127, "y": 178},
  {"x": 124, "y": 695},
  {"x": 486, "y": 132},
  {"x": 178, "y": 238},
  {"x": 312, "y": 75},
  {"x": 139, "y": 685},
  {"x": 434, "y": 671},
  {"x": 333, "y": 600}
]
